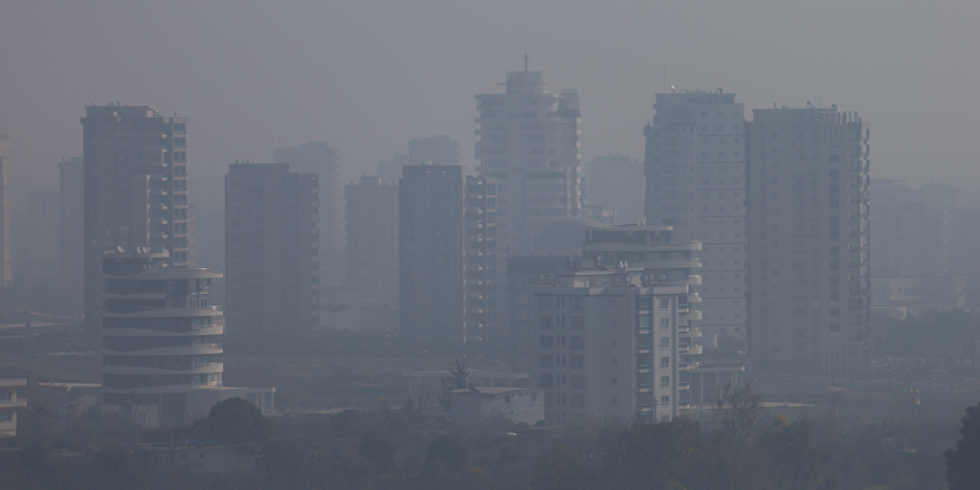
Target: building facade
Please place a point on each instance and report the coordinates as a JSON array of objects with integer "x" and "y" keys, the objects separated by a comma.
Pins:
[
  {"x": 134, "y": 169},
  {"x": 161, "y": 337},
  {"x": 71, "y": 234},
  {"x": 530, "y": 143},
  {"x": 607, "y": 343},
  {"x": 271, "y": 250},
  {"x": 6, "y": 237},
  {"x": 809, "y": 270},
  {"x": 431, "y": 254},
  {"x": 372, "y": 241},
  {"x": 11, "y": 402},
  {"x": 481, "y": 274},
  {"x": 36, "y": 250},
  {"x": 324, "y": 161},
  {"x": 695, "y": 182}
]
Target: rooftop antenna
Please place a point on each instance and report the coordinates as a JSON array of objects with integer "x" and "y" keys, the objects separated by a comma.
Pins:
[{"x": 525, "y": 60}]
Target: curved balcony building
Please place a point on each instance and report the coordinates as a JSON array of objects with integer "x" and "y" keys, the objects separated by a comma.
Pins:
[{"x": 161, "y": 338}]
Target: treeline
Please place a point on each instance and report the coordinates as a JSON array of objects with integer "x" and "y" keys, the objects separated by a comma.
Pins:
[{"x": 737, "y": 447}]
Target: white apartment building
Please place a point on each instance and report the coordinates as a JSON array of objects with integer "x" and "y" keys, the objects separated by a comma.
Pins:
[
  {"x": 530, "y": 143},
  {"x": 695, "y": 182},
  {"x": 610, "y": 343},
  {"x": 162, "y": 341},
  {"x": 470, "y": 408}
]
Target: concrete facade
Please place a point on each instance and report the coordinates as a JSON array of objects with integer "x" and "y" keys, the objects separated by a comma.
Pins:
[
  {"x": 471, "y": 408},
  {"x": 695, "y": 181},
  {"x": 430, "y": 255},
  {"x": 809, "y": 241},
  {"x": 71, "y": 234},
  {"x": 135, "y": 188},
  {"x": 271, "y": 250},
  {"x": 10, "y": 403},
  {"x": 6, "y": 230},
  {"x": 530, "y": 143},
  {"x": 613, "y": 343},
  {"x": 481, "y": 272},
  {"x": 372, "y": 241}
]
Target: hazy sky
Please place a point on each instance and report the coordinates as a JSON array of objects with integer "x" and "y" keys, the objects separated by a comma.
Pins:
[{"x": 367, "y": 76}]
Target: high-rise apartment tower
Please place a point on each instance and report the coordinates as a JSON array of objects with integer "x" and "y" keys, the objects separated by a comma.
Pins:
[{"x": 809, "y": 269}]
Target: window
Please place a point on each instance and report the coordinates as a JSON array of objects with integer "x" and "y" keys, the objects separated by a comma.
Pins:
[
  {"x": 665, "y": 381},
  {"x": 664, "y": 341},
  {"x": 665, "y": 302},
  {"x": 665, "y": 323},
  {"x": 576, "y": 304},
  {"x": 665, "y": 362},
  {"x": 544, "y": 322},
  {"x": 546, "y": 342},
  {"x": 665, "y": 400},
  {"x": 578, "y": 323}
]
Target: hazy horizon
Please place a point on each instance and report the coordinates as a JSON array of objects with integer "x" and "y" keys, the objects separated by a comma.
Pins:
[{"x": 368, "y": 76}]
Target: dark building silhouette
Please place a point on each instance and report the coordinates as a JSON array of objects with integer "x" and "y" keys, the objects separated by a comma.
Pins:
[
  {"x": 430, "y": 255},
  {"x": 271, "y": 250},
  {"x": 809, "y": 268}
]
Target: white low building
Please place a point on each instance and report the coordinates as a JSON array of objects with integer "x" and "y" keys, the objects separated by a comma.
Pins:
[
  {"x": 472, "y": 407},
  {"x": 10, "y": 403}
]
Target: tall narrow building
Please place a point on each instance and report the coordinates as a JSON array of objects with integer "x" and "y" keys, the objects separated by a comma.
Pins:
[
  {"x": 135, "y": 189},
  {"x": 809, "y": 272},
  {"x": 71, "y": 235},
  {"x": 695, "y": 182},
  {"x": 480, "y": 251},
  {"x": 6, "y": 241},
  {"x": 530, "y": 143},
  {"x": 430, "y": 255},
  {"x": 271, "y": 251},
  {"x": 322, "y": 160},
  {"x": 372, "y": 241}
]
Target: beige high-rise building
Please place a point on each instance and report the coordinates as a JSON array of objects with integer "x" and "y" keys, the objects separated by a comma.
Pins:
[
  {"x": 530, "y": 143},
  {"x": 135, "y": 186},
  {"x": 809, "y": 268}
]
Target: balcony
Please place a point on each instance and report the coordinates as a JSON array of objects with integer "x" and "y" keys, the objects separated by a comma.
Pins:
[{"x": 14, "y": 403}]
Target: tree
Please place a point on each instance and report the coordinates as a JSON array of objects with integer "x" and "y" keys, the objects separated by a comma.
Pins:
[
  {"x": 962, "y": 470},
  {"x": 378, "y": 451},
  {"x": 457, "y": 379},
  {"x": 237, "y": 420},
  {"x": 739, "y": 409}
]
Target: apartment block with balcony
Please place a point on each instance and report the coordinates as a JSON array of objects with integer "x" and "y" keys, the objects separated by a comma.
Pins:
[
  {"x": 612, "y": 343},
  {"x": 162, "y": 340},
  {"x": 481, "y": 271}
]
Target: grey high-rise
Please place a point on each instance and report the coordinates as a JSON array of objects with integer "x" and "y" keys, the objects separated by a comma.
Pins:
[
  {"x": 809, "y": 269},
  {"x": 323, "y": 160},
  {"x": 6, "y": 242},
  {"x": 530, "y": 143},
  {"x": 372, "y": 240},
  {"x": 71, "y": 236},
  {"x": 271, "y": 251},
  {"x": 430, "y": 255},
  {"x": 135, "y": 189},
  {"x": 695, "y": 182}
]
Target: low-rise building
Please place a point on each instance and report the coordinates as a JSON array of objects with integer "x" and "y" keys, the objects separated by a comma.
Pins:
[
  {"x": 470, "y": 408},
  {"x": 10, "y": 403},
  {"x": 918, "y": 294}
]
